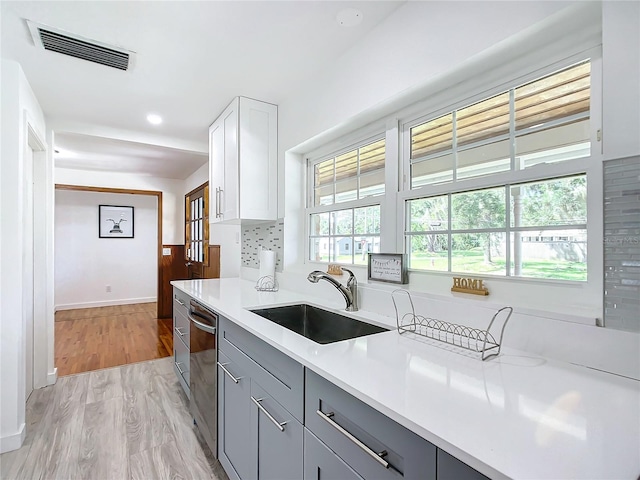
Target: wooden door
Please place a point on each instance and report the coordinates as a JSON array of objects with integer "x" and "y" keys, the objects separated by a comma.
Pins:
[{"x": 196, "y": 248}]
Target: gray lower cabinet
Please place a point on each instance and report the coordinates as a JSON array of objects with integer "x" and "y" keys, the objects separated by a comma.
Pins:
[
  {"x": 181, "y": 338},
  {"x": 450, "y": 468},
  {"x": 234, "y": 420},
  {"x": 373, "y": 445},
  {"x": 260, "y": 408},
  {"x": 321, "y": 463},
  {"x": 265, "y": 397}
]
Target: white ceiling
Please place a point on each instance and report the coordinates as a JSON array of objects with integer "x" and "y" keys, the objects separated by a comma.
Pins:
[{"x": 191, "y": 58}]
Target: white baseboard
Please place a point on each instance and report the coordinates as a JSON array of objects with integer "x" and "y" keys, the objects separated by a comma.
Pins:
[
  {"x": 52, "y": 377},
  {"x": 105, "y": 303},
  {"x": 13, "y": 442}
]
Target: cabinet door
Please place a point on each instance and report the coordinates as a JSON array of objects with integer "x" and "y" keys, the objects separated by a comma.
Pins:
[
  {"x": 320, "y": 463},
  {"x": 450, "y": 468},
  {"x": 235, "y": 429},
  {"x": 216, "y": 170},
  {"x": 279, "y": 438},
  {"x": 229, "y": 194},
  {"x": 258, "y": 149}
]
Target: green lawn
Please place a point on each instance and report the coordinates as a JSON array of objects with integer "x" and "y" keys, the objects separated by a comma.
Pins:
[{"x": 472, "y": 262}]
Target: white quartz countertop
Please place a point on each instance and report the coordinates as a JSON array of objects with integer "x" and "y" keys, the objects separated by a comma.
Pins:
[{"x": 514, "y": 416}]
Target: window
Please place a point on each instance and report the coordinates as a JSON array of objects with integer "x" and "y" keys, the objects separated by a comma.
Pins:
[
  {"x": 534, "y": 229},
  {"x": 344, "y": 205},
  {"x": 542, "y": 122}
]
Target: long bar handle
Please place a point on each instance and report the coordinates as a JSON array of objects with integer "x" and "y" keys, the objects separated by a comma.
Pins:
[
  {"x": 178, "y": 367},
  {"x": 177, "y": 330},
  {"x": 257, "y": 401},
  {"x": 181, "y": 302},
  {"x": 376, "y": 456},
  {"x": 202, "y": 326},
  {"x": 222, "y": 365}
]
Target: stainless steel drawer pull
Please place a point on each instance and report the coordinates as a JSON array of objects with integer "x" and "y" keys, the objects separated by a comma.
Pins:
[
  {"x": 257, "y": 401},
  {"x": 222, "y": 365},
  {"x": 177, "y": 329},
  {"x": 178, "y": 367},
  {"x": 181, "y": 302},
  {"x": 376, "y": 456}
]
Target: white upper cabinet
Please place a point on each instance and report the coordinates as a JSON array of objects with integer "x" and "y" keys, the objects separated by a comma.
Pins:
[{"x": 243, "y": 149}]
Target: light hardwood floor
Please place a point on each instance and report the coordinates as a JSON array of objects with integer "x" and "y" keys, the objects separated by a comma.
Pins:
[
  {"x": 128, "y": 422},
  {"x": 91, "y": 338}
]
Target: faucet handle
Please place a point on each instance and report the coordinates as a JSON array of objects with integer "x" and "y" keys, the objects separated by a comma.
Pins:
[{"x": 352, "y": 277}]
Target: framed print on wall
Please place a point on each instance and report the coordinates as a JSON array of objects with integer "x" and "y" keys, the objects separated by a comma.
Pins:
[
  {"x": 115, "y": 221},
  {"x": 388, "y": 267}
]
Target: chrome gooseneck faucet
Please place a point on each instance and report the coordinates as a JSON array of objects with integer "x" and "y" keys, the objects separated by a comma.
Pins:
[{"x": 350, "y": 292}]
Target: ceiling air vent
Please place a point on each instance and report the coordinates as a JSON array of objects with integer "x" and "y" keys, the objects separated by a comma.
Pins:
[{"x": 75, "y": 46}]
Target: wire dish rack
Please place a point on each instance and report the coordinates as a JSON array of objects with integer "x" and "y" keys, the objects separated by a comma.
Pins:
[
  {"x": 268, "y": 283},
  {"x": 474, "y": 339}
]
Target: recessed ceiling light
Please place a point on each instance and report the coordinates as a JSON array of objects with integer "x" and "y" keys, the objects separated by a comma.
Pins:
[
  {"x": 154, "y": 119},
  {"x": 349, "y": 17}
]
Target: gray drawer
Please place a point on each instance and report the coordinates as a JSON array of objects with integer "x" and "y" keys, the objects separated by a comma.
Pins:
[
  {"x": 356, "y": 432},
  {"x": 181, "y": 360},
  {"x": 180, "y": 326},
  {"x": 277, "y": 373},
  {"x": 180, "y": 301}
]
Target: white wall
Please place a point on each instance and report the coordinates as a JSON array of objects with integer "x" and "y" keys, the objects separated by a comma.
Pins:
[
  {"x": 197, "y": 178},
  {"x": 172, "y": 194},
  {"x": 19, "y": 112},
  {"x": 85, "y": 264}
]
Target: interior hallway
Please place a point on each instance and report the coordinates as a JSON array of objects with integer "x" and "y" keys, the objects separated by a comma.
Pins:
[{"x": 89, "y": 339}]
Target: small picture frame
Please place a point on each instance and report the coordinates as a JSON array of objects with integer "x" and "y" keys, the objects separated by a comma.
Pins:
[
  {"x": 115, "y": 221},
  {"x": 388, "y": 267}
]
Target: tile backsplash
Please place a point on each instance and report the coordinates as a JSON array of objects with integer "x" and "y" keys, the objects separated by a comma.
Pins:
[
  {"x": 267, "y": 235},
  {"x": 622, "y": 244}
]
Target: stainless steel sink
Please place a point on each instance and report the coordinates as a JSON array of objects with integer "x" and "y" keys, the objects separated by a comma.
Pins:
[{"x": 317, "y": 324}]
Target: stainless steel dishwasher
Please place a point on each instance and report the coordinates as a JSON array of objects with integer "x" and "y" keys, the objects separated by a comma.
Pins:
[{"x": 203, "y": 357}]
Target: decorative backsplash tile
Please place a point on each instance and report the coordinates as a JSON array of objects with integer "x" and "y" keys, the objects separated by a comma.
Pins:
[
  {"x": 622, "y": 244},
  {"x": 256, "y": 236}
]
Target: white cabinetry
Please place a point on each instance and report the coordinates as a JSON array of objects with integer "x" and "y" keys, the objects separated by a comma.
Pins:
[{"x": 243, "y": 162}]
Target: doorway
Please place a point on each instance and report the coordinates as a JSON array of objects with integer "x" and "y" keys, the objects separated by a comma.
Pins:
[
  {"x": 108, "y": 278},
  {"x": 158, "y": 244}
]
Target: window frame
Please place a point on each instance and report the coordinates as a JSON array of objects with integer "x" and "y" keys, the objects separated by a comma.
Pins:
[
  {"x": 349, "y": 143},
  {"x": 590, "y": 165}
]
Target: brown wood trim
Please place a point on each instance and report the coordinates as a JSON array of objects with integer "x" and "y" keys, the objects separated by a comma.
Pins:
[
  {"x": 82, "y": 188},
  {"x": 128, "y": 191},
  {"x": 205, "y": 184},
  {"x": 173, "y": 268}
]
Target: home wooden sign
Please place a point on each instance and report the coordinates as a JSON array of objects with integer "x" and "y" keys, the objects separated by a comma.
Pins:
[{"x": 474, "y": 286}]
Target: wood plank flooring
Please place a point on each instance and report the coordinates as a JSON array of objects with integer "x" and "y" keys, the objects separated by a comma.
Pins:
[
  {"x": 88, "y": 339},
  {"x": 129, "y": 422}
]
